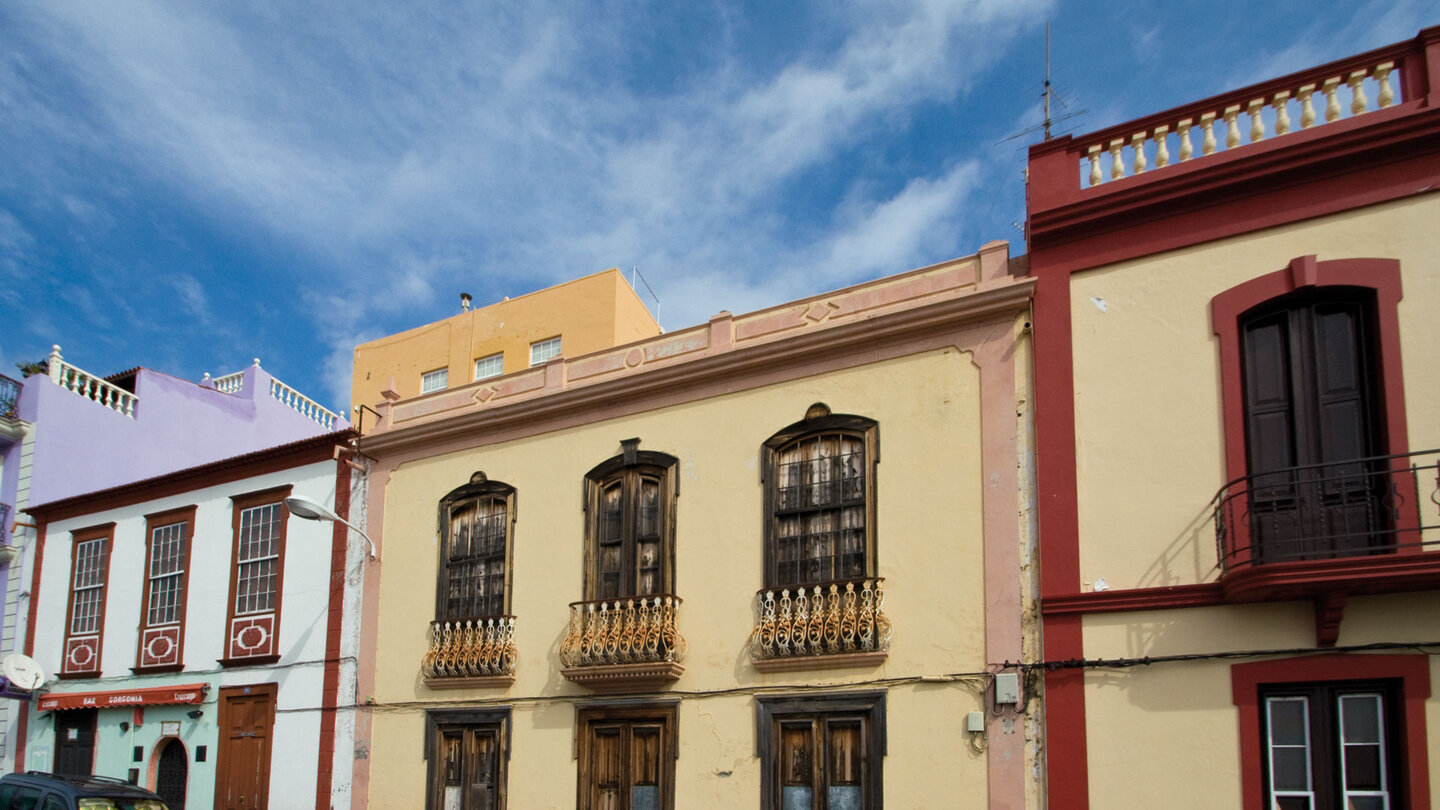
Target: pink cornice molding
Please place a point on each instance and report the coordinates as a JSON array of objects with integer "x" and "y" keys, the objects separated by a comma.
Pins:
[{"x": 906, "y": 309}]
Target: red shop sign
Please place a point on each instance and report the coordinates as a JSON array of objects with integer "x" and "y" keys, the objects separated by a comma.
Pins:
[{"x": 153, "y": 696}]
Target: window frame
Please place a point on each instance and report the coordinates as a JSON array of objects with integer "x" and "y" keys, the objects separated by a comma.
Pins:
[
  {"x": 267, "y": 622},
  {"x": 500, "y": 356},
  {"x": 627, "y": 468},
  {"x": 773, "y": 710},
  {"x": 666, "y": 714},
  {"x": 480, "y": 487},
  {"x": 1323, "y": 738},
  {"x": 1382, "y": 276},
  {"x": 544, "y": 346},
  {"x": 105, "y": 535},
  {"x": 818, "y": 421},
  {"x": 1411, "y": 674},
  {"x": 437, "y": 723},
  {"x": 170, "y": 662},
  {"x": 427, "y": 376}
]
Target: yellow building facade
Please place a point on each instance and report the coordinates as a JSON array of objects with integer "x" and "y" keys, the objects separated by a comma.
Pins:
[
  {"x": 578, "y": 317},
  {"x": 778, "y": 560},
  {"x": 1237, "y": 423}
]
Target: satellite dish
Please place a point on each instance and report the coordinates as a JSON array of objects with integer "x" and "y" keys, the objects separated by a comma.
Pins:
[{"x": 23, "y": 671}]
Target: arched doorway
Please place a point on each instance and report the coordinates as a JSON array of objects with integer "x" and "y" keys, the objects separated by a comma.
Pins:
[{"x": 171, "y": 773}]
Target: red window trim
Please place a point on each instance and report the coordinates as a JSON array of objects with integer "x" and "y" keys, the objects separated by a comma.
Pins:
[
  {"x": 155, "y": 521},
  {"x": 1380, "y": 275},
  {"x": 239, "y": 504},
  {"x": 104, "y": 532},
  {"x": 1412, "y": 670}
]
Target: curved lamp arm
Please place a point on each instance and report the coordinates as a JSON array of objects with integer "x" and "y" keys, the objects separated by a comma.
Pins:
[{"x": 310, "y": 510}]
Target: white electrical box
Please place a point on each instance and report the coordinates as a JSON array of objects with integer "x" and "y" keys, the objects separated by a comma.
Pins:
[
  {"x": 975, "y": 721},
  {"x": 1007, "y": 688}
]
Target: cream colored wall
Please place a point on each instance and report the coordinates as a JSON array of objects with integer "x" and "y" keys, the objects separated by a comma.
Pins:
[
  {"x": 576, "y": 310},
  {"x": 1167, "y": 734},
  {"x": 930, "y": 550},
  {"x": 1147, "y": 395}
]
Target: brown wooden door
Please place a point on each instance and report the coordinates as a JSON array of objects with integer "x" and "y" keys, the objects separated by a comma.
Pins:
[
  {"x": 247, "y": 718},
  {"x": 627, "y": 761},
  {"x": 1310, "y": 418}
]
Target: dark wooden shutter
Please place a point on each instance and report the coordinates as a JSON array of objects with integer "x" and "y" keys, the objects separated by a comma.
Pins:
[{"x": 1310, "y": 422}]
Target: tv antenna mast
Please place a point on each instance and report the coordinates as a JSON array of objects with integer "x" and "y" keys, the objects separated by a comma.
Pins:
[{"x": 1048, "y": 93}]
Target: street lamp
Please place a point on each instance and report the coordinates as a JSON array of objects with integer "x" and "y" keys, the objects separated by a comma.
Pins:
[{"x": 310, "y": 510}]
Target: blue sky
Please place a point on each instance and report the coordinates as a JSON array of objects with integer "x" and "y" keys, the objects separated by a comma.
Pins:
[{"x": 186, "y": 186}]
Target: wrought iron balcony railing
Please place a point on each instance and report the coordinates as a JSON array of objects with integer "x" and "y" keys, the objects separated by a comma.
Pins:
[
  {"x": 1377, "y": 505},
  {"x": 832, "y": 618},
  {"x": 478, "y": 648},
  {"x": 9, "y": 397},
  {"x": 637, "y": 630}
]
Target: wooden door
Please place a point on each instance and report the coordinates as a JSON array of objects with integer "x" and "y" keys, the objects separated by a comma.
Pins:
[
  {"x": 75, "y": 742},
  {"x": 627, "y": 762},
  {"x": 1310, "y": 420},
  {"x": 247, "y": 718}
]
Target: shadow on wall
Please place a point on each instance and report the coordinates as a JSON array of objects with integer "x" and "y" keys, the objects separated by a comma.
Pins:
[{"x": 1189, "y": 558}]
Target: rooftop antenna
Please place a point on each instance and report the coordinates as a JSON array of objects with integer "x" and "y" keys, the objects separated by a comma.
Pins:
[
  {"x": 1048, "y": 94},
  {"x": 1047, "y": 80}
]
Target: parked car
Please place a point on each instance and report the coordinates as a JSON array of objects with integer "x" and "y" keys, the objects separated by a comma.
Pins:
[{"x": 37, "y": 790}]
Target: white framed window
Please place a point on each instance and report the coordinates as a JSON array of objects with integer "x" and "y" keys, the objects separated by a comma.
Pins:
[
  {"x": 167, "y": 574},
  {"x": 492, "y": 366},
  {"x": 542, "y": 350},
  {"x": 258, "y": 559},
  {"x": 88, "y": 592},
  {"x": 434, "y": 380}
]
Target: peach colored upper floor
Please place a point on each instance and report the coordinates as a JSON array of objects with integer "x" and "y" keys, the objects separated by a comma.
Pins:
[{"x": 588, "y": 314}]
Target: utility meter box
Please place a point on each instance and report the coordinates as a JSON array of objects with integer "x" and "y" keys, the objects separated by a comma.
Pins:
[{"x": 1007, "y": 688}]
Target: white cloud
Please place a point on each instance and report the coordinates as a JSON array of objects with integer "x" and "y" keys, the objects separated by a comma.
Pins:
[{"x": 416, "y": 155}]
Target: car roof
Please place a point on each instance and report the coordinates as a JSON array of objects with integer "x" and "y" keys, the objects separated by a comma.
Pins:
[{"x": 81, "y": 786}]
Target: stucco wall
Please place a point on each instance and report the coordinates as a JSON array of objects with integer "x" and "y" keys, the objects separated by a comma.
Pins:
[
  {"x": 1147, "y": 382},
  {"x": 1168, "y": 734},
  {"x": 930, "y": 552},
  {"x": 302, "y": 635}
]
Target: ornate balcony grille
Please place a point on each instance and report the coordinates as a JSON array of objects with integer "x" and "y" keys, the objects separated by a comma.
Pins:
[
  {"x": 833, "y": 618},
  {"x": 1377, "y": 505},
  {"x": 480, "y": 648},
  {"x": 9, "y": 396},
  {"x": 638, "y": 630}
]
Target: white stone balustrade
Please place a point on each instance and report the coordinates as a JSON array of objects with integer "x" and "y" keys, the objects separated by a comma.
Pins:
[
  {"x": 1246, "y": 117},
  {"x": 90, "y": 386},
  {"x": 230, "y": 383},
  {"x": 307, "y": 407}
]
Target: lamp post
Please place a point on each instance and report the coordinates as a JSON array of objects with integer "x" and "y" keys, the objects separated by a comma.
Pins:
[{"x": 310, "y": 510}]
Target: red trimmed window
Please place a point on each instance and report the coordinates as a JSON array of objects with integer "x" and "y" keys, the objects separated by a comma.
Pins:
[
  {"x": 1314, "y": 412},
  {"x": 167, "y": 579},
  {"x": 256, "y": 577},
  {"x": 85, "y": 618},
  {"x": 1334, "y": 731}
]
